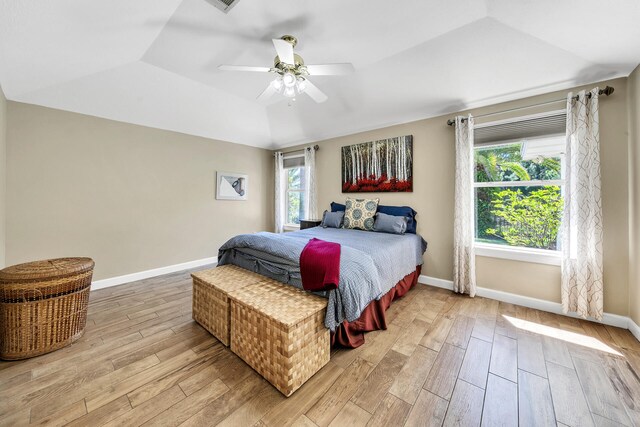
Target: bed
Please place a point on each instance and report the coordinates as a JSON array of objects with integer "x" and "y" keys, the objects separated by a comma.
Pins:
[{"x": 375, "y": 269}]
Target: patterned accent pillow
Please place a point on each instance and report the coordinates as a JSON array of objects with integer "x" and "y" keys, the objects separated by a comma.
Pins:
[{"x": 360, "y": 213}]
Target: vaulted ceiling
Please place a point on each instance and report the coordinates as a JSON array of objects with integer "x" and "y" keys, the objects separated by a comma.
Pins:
[{"x": 154, "y": 62}]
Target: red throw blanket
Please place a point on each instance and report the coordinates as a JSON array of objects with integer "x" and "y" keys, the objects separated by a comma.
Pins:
[{"x": 320, "y": 265}]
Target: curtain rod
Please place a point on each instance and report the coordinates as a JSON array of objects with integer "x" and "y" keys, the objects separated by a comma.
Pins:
[
  {"x": 315, "y": 147},
  {"x": 606, "y": 91}
]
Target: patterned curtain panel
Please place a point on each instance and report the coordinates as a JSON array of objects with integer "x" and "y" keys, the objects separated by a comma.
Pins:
[
  {"x": 310, "y": 187},
  {"x": 582, "y": 286},
  {"x": 464, "y": 260},
  {"x": 280, "y": 193}
]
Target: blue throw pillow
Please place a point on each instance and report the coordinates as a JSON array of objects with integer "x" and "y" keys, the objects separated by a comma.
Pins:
[
  {"x": 332, "y": 219},
  {"x": 337, "y": 207},
  {"x": 390, "y": 224},
  {"x": 405, "y": 211}
]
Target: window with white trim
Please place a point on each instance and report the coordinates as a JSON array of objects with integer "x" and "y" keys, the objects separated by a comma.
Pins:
[
  {"x": 295, "y": 190},
  {"x": 518, "y": 188}
]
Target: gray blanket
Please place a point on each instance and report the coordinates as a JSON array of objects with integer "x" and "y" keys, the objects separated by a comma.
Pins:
[{"x": 370, "y": 263}]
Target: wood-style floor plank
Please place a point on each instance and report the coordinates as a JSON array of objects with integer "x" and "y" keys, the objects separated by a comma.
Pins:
[
  {"x": 216, "y": 411},
  {"x": 530, "y": 354},
  {"x": 411, "y": 337},
  {"x": 104, "y": 414},
  {"x": 465, "y": 408},
  {"x": 599, "y": 392},
  {"x": 622, "y": 337},
  {"x": 19, "y": 417},
  {"x": 437, "y": 333},
  {"x": 413, "y": 375},
  {"x": 604, "y": 422},
  {"x": 429, "y": 410},
  {"x": 254, "y": 409},
  {"x": 303, "y": 421},
  {"x": 384, "y": 341},
  {"x": 351, "y": 415},
  {"x": 475, "y": 366},
  {"x": 626, "y": 383},
  {"x": 444, "y": 373},
  {"x": 374, "y": 388},
  {"x": 570, "y": 406},
  {"x": 64, "y": 415},
  {"x": 535, "y": 406},
  {"x": 504, "y": 358},
  {"x": 47, "y": 404},
  {"x": 149, "y": 409},
  {"x": 556, "y": 351},
  {"x": 444, "y": 359},
  {"x": 179, "y": 412},
  {"x": 299, "y": 403},
  {"x": 328, "y": 406},
  {"x": 503, "y": 325},
  {"x": 391, "y": 411},
  {"x": 145, "y": 377},
  {"x": 484, "y": 327},
  {"x": 430, "y": 310},
  {"x": 500, "y": 403},
  {"x": 461, "y": 331},
  {"x": 167, "y": 380}
]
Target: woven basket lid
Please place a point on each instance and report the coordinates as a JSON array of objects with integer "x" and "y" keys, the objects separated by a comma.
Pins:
[{"x": 45, "y": 270}]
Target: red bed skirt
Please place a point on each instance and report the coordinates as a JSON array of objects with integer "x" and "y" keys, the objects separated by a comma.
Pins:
[{"x": 351, "y": 334}]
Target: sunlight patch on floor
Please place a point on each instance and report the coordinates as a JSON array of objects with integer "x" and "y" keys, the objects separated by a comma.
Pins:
[{"x": 572, "y": 337}]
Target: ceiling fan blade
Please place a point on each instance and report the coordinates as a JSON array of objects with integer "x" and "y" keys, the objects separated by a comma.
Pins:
[
  {"x": 315, "y": 93},
  {"x": 243, "y": 68},
  {"x": 267, "y": 93},
  {"x": 284, "y": 50},
  {"x": 330, "y": 69}
]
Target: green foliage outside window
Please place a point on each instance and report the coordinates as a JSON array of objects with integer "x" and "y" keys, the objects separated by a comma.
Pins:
[
  {"x": 527, "y": 216},
  {"x": 530, "y": 220}
]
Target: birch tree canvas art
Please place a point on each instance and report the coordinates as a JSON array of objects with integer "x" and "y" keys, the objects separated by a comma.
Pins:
[{"x": 378, "y": 166}]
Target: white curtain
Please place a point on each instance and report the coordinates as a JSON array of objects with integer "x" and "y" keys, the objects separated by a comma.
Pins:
[
  {"x": 582, "y": 285},
  {"x": 310, "y": 187},
  {"x": 280, "y": 192},
  {"x": 464, "y": 260}
]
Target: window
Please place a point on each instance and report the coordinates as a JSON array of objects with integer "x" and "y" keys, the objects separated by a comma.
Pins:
[
  {"x": 518, "y": 195},
  {"x": 295, "y": 195}
]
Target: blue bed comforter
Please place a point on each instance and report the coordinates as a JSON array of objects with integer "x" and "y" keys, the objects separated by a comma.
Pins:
[{"x": 370, "y": 263}]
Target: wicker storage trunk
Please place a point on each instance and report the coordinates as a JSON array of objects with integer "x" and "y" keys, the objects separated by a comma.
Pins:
[
  {"x": 279, "y": 331},
  {"x": 43, "y": 305},
  {"x": 210, "y": 305}
]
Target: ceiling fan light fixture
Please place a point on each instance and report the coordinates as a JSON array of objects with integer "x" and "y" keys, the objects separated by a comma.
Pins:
[
  {"x": 289, "y": 79},
  {"x": 301, "y": 85},
  {"x": 289, "y": 92},
  {"x": 277, "y": 83}
]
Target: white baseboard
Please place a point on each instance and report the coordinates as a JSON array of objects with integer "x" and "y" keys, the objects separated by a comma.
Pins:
[
  {"x": 114, "y": 281},
  {"x": 634, "y": 328},
  {"x": 538, "y": 304}
]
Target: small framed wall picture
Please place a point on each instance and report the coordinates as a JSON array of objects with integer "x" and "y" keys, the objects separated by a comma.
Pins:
[{"x": 231, "y": 186}]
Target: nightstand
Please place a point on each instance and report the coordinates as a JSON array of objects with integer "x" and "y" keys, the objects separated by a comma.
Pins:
[{"x": 308, "y": 223}]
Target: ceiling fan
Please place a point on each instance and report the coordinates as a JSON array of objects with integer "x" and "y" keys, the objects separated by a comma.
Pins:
[{"x": 292, "y": 75}]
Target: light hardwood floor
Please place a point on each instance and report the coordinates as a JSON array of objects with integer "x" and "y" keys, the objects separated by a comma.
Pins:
[{"x": 445, "y": 359}]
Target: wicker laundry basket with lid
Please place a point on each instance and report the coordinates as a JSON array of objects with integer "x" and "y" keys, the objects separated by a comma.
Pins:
[{"x": 43, "y": 305}]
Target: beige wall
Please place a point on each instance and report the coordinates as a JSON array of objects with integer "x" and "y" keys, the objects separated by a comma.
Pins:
[
  {"x": 133, "y": 198},
  {"x": 3, "y": 174},
  {"x": 433, "y": 198},
  {"x": 634, "y": 160}
]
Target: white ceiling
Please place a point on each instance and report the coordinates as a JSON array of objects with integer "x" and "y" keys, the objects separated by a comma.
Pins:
[{"x": 154, "y": 62}]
